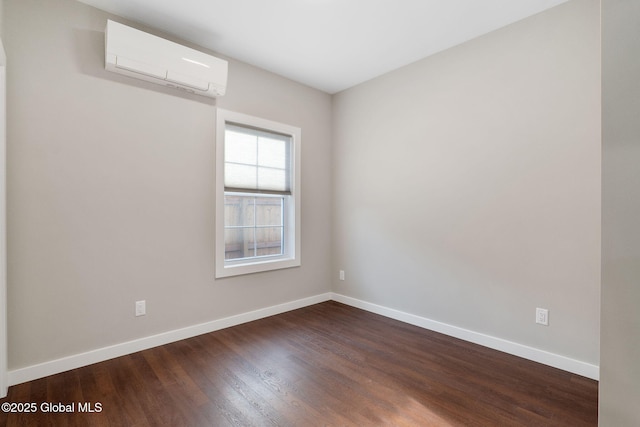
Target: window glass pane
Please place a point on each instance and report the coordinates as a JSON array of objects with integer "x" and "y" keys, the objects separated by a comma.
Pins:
[
  {"x": 272, "y": 153},
  {"x": 254, "y": 226},
  {"x": 269, "y": 241},
  {"x": 269, "y": 211},
  {"x": 240, "y": 176},
  {"x": 238, "y": 243},
  {"x": 240, "y": 148},
  {"x": 273, "y": 179},
  {"x": 256, "y": 159},
  {"x": 239, "y": 211}
]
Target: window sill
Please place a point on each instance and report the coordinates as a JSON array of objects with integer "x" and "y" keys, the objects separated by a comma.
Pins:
[{"x": 237, "y": 269}]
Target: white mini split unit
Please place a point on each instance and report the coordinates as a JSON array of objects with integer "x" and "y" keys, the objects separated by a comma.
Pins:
[{"x": 135, "y": 53}]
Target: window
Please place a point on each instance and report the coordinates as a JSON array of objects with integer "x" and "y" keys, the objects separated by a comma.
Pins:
[{"x": 257, "y": 195}]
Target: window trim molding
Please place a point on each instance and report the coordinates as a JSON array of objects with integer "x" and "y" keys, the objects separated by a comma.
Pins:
[{"x": 292, "y": 257}]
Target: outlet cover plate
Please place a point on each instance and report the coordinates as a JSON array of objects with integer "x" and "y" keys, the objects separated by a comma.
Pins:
[
  {"x": 141, "y": 308},
  {"x": 542, "y": 316}
]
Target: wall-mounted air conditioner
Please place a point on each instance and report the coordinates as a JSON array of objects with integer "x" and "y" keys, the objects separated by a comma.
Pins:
[{"x": 144, "y": 56}]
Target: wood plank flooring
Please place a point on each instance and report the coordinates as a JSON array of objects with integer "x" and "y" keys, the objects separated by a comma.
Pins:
[{"x": 327, "y": 364}]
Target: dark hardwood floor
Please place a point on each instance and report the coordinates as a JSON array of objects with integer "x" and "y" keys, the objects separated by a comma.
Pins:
[{"x": 328, "y": 364}]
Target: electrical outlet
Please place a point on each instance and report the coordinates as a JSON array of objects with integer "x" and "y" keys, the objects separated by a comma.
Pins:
[
  {"x": 542, "y": 316},
  {"x": 341, "y": 274},
  {"x": 141, "y": 308}
]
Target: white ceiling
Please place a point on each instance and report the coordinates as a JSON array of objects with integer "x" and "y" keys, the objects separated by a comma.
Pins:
[{"x": 327, "y": 44}]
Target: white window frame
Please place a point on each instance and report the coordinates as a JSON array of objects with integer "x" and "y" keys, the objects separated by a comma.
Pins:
[{"x": 291, "y": 256}]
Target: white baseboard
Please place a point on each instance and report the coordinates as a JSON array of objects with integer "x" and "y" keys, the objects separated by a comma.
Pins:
[
  {"x": 561, "y": 362},
  {"x": 33, "y": 372},
  {"x": 30, "y": 373}
]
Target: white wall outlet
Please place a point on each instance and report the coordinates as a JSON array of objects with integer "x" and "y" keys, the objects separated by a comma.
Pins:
[
  {"x": 341, "y": 274},
  {"x": 141, "y": 308},
  {"x": 542, "y": 316}
]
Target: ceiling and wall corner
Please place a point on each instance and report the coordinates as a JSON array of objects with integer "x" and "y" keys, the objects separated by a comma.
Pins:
[{"x": 330, "y": 45}]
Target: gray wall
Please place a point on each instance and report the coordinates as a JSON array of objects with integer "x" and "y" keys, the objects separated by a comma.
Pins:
[
  {"x": 620, "y": 338},
  {"x": 111, "y": 191},
  {"x": 467, "y": 185}
]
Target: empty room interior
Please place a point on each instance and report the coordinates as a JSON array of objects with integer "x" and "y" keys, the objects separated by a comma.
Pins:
[{"x": 376, "y": 213}]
